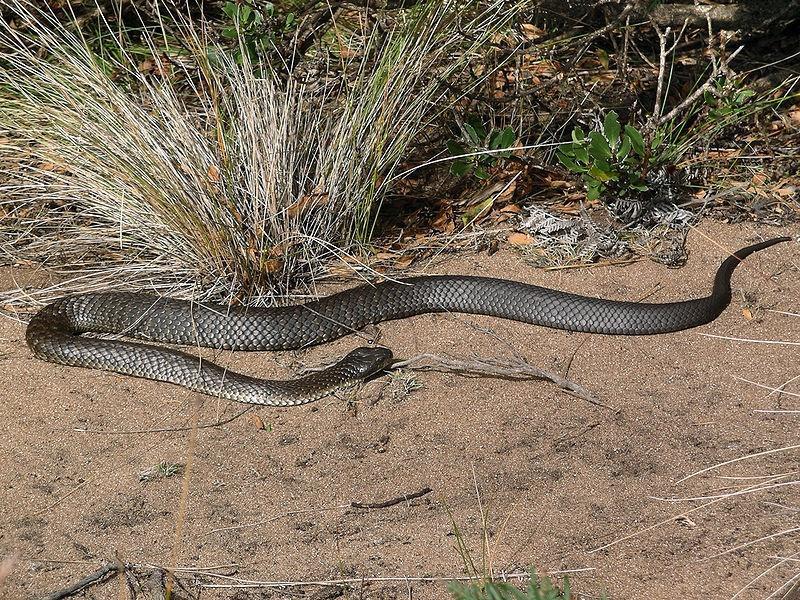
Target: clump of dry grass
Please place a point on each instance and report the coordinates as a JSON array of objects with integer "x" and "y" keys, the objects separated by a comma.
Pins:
[{"x": 201, "y": 176}]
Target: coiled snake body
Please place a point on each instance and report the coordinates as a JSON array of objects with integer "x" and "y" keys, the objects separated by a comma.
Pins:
[{"x": 54, "y": 333}]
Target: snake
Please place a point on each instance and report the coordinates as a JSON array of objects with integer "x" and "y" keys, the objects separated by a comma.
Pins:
[{"x": 55, "y": 333}]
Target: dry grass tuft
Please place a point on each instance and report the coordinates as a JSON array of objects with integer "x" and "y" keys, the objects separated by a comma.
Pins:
[{"x": 200, "y": 176}]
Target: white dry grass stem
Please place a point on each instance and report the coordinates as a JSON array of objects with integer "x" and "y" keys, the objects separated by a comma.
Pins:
[{"x": 209, "y": 178}]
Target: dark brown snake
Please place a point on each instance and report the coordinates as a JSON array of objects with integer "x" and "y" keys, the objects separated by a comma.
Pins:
[{"x": 54, "y": 333}]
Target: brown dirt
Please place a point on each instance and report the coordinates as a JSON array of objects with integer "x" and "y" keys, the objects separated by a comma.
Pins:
[{"x": 559, "y": 476}]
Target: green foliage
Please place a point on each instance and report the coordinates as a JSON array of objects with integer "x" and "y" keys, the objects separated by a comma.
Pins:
[
  {"x": 474, "y": 140},
  {"x": 538, "y": 589},
  {"x": 614, "y": 160},
  {"x": 725, "y": 100},
  {"x": 255, "y": 25}
]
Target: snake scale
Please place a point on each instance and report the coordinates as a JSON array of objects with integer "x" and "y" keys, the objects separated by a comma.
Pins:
[{"x": 54, "y": 333}]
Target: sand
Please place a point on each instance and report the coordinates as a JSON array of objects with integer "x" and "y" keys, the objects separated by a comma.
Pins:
[{"x": 566, "y": 485}]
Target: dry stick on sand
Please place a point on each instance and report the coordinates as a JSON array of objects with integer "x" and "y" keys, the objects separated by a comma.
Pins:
[
  {"x": 103, "y": 574},
  {"x": 515, "y": 368},
  {"x": 393, "y": 501}
]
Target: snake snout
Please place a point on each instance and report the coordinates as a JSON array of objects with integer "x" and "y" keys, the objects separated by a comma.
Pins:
[{"x": 366, "y": 361}]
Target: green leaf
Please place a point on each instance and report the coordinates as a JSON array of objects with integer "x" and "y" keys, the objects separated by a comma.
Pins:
[
  {"x": 581, "y": 153},
  {"x": 230, "y": 9},
  {"x": 503, "y": 138},
  {"x": 245, "y": 12},
  {"x": 602, "y": 56},
  {"x": 460, "y": 167},
  {"x": 577, "y": 135},
  {"x": 624, "y": 148},
  {"x": 641, "y": 186},
  {"x": 481, "y": 172},
  {"x": 658, "y": 137},
  {"x": 592, "y": 193},
  {"x": 477, "y": 125},
  {"x": 599, "y": 174},
  {"x": 494, "y": 140},
  {"x": 603, "y": 165},
  {"x": 636, "y": 140},
  {"x": 742, "y": 96},
  {"x": 454, "y": 148},
  {"x": 472, "y": 135},
  {"x": 290, "y": 19},
  {"x": 569, "y": 163},
  {"x": 230, "y": 33},
  {"x": 508, "y": 138},
  {"x": 598, "y": 146},
  {"x": 568, "y": 149},
  {"x": 475, "y": 211},
  {"x": 612, "y": 128}
]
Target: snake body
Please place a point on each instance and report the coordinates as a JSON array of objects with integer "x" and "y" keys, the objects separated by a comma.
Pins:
[{"x": 54, "y": 333}]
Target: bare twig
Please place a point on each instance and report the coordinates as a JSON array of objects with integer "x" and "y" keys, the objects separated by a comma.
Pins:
[
  {"x": 218, "y": 423},
  {"x": 393, "y": 501},
  {"x": 238, "y": 583},
  {"x": 721, "y": 67},
  {"x": 589, "y": 38},
  {"x": 103, "y": 574},
  {"x": 516, "y": 368},
  {"x": 663, "y": 51}
]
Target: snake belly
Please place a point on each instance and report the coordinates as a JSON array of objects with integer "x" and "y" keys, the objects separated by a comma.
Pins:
[{"x": 54, "y": 333}]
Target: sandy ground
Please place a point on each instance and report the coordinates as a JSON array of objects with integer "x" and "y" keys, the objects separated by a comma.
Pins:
[{"x": 269, "y": 492}]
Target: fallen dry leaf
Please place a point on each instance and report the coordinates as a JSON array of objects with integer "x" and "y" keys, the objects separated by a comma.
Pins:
[
  {"x": 444, "y": 221},
  {"x": 306, "y": 202},
  {"x": 520, "y": 239},
  {"x": 272, "y": 265},
  {"x": 257, "y": 421},
  {"x": 747, "y": 314},
  {"x": 531, "y": 31},
  {"x": 477, "y": 212},
  {"x": 404, "y": 261}
]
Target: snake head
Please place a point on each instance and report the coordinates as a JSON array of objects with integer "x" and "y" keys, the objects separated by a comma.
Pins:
[{"x": 366, "y": 361}]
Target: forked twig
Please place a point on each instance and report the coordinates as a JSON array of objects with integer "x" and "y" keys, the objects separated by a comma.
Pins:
[
  {"x": 513, "y": 368},
  {"x": 104, "y": 573}
]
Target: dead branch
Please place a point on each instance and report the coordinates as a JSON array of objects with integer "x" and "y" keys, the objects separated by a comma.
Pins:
[
  {"x": 614, "y": 24},
  {"x": 515, "y": 369},
  {"x": 725, "y": 16},
  {"x": 663, "y": 51},
  {"x": 719, "y": 68},
  {"x": 393, "y": 501},
  {"x": 103, "y": 574}
]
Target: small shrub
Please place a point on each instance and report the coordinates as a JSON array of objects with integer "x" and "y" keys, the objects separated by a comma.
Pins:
[
  {"x": 254, "y": 27},
  {"x": 475, "y": 140},
  {"x": 614, "y": 161}
]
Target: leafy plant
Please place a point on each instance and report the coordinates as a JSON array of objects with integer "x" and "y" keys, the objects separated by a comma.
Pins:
[
  {"x": 476, "y": 141},
  {"x": 724, "y": 99},
  {"x": 255, "y": 26},
  {"x": 538, "y": 589},
  {"x": 614, "y": 160}
]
